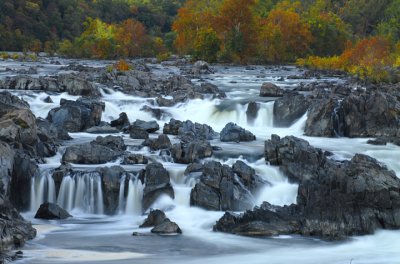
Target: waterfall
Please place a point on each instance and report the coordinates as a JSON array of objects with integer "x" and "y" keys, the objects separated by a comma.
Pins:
[
  {"x": 81, "y": 190},
  {"x": 121, "y": 197},
  {"x": 42, "y": 190},
  {"x": 133, "y": 203},
  {"x": 338, "y": 120}
]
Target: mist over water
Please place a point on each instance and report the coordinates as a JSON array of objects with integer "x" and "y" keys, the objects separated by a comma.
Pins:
[{"x": 92, "y": 237}]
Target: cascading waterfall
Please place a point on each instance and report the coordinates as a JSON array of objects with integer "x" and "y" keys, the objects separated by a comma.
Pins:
[
  {"x": 338, "y": 120},
  {"x": 42, "y": 190},
  {"x": 133, "y": 203},
  {"x": 82, "y": 191}
]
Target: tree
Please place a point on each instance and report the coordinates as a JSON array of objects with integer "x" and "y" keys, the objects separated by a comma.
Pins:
[{"x": 131, "y": 38}]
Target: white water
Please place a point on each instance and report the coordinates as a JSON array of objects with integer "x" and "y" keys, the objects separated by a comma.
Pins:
[{"x": 99, "y": 235}]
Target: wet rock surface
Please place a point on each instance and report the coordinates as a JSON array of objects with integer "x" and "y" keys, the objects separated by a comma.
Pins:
[
  {"x": 234, "y": 133},
  {"x": 50, "y": 211},
  {"x": 335, "y": 199}
]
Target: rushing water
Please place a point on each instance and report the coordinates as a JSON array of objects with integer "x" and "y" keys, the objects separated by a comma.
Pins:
[{"x": 91, "y": 237}]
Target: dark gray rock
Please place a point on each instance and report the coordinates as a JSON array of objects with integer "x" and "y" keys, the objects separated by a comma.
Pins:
[
  {"x": 271, "y": 90},
  {"x": 90, "y": 154},
  {"x": 76, "y": 85},
  {"x": 234, "y": 133},
  {"x": 320, "y": 118},
  {"x": 290, "y": 108},
  {"x": 150, "y": 126},
  {"x": 172, "y": 128},
  {"x": 76, "y": 116},
  {"x": 154, "y": 218},
  {"x": 157, "y": 183},
  {"x": 191, "y": 151},
  {"x": 51, "y": 211},
  {"x": 132, "y": 159},
  {"x": 197, "y": 131},
  {"x": 122, "y": 121},
  {"x": 138, "y": 133},
  {"x": 102, "y": 129},
  {"x": 161, "y": 142},
  {"x": 252, "y": 112},
  {"x": 219, "y": 189},
  {"x": 112, "y": 142},
  {"x": 110, "y": 181},
  {"x": 167, "y": 227},
  {"x": 11, "y": 102}
]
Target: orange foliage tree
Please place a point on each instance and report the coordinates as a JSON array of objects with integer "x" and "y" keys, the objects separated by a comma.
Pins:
[
  {"x": 285, "y": 36},
  {"x": 131, "y": 38}
]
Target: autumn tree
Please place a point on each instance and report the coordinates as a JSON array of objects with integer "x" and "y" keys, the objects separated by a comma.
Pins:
[
  {"x": 285, "y": 36},
  {"x": 131, "y": 38}
]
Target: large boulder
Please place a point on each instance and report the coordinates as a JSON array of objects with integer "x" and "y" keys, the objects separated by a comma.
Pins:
[
  {"x": 112, "y": 142},
  {"x": 335, "y": 199},
  {"x": 122, "y": 121},
  {"x": 25, "y": 168},
  {"x": 11, "y": 102},
  {"x": 157, "y": 182},
  {"x": 51, "y": 211},
  {"x": 154, "y": 218},
  {"x": 76, "y": 85},
  {"x": 76, "y": 116},
  {"x": 167, "y": 227},
  {"x": 219, "y": 189},
  {"x": 320, "y": 119},
  {"x": 110, "y": 183},
  {"x": 271, "y": 90},
  {"x": 289, "y": 108},
  {"x": 234, "y": 133},
  {"x": 252, "y": 112},
  {"x": 90, "y": 153},
  {"x": 148, "y": 126},
  {"x": 161, "y": 142},
  {"x": 172, "y": 127},
  {"x": 189, "y": 152}
]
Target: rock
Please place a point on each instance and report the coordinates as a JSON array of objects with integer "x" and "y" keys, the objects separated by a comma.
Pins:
[
  {"x": 154, "y": 218},
  {"x": 75, "y": 85},
  {"x": 157, "y": 113},
  {"x": 157, "y": 183},
  {"x": 234, "y": 133},
  {"x": 296, "y": 157},
  {"x": 90, "y": 154},
  {"x": 162, "y": 142},
  {"x": 102, "y": 129},
  {"x": 112, "y": 142},
  {"x": 138, "y": 133},
  {"x": 289, "y": 108},
  {"x": 252, "y": 112},
  {"x": 335, "y": 200},
  {"x": 271, "y": 90},
  {"x": 201, "y": 67},
  {"x": 22, "y": 82},
  {"x": 51, "y": 211},
  {"x": 15, "y": 229},
  {"x": 48, "y": 100},
  {"x": 111, "y": 181},
  {"x": 10, "y": 102},
  {"x": 150, "y": 126},
  {"x": 76, "y": 116},
  {"x": 209, "y": 88},
  {"x": 122, "y": 121},
  {"x": 133, "y": 159},
  {"x": 196, "y": 131},
  {"x": 248, "y": 176},
  {"x": 320, "y": 118},
  {"x": 24, "y": 169},
  {"x": 191, "y": 151},
  {"x": 167, "y": 227},
  {"x": 19, "y": 126},
  {"x": 172, "y": 128},
  {"x": 219, "y": 189}
]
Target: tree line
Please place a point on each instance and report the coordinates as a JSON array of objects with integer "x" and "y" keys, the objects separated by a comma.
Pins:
[{"x": 358, "y": 36}]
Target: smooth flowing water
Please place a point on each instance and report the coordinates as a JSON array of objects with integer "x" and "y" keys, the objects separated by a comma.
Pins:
[{"x": 91, "y": 237}]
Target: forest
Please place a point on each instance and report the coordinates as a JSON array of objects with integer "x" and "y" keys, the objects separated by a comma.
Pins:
[{"x": 361, "y": 37}]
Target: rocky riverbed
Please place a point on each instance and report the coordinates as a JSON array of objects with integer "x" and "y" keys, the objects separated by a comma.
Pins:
[{"x": 281, "y": 151}]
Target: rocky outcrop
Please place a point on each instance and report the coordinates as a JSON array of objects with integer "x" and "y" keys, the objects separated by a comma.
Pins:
[
  {"x": 189, "y": 152},
  {"x": 167, "y": 227},
  {"x": 75, "y": 85},
  {"x": 234, "y": 133},
  {"x": 122, "y": 122},
  {"x": 157, "y": 182},
  {"x": 90, "y": 153},
  {"x": 154, "y": 218},
  {"x": 51, "y": 211},
  {"x": 271, "y": 90},
  {"x": 76, "y": 116},
  {"x": 110, "y": 184},
  {"x": 218, "y": 188},
  {"x": 136, "y": 133},
  {"x": 335, "y": 199},
  {"x": 252, "y": 112},
  {"x": 10, "y": 102},
  {"x": 148, "y": 126},
  {"x": 172, "y": 127},
  {"x": 132, "y": 159},
  {"x": 161, "y": 142},
  {"x": 112, "y": 142},
  {"x": 289, "y": 108}
]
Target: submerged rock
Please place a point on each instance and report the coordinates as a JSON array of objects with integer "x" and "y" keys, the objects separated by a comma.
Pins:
[
  {"x": 154, "y": 218},
  {"x": 51, "y": 211},
  {"x": 167, "y": 227}
]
